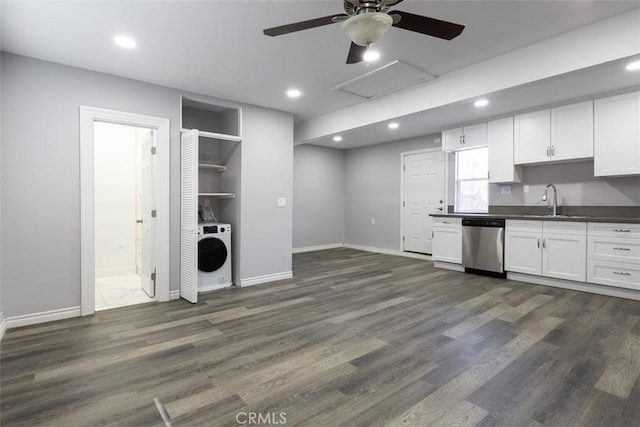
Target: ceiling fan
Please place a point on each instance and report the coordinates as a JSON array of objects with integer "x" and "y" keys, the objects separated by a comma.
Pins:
[{"x": 366, "y": 21}]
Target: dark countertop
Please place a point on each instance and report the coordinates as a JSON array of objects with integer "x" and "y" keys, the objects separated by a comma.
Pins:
[{"x": 542, "y": 217}]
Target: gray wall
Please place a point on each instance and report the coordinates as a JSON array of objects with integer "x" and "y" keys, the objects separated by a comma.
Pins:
[
  {"x": 372, "y": 190},
  {"x": 41, "y": 168},
  {"x": 318, "y": 196},
  {"x": 576, "y": 187},
  {"x": 267, "y": 173}
]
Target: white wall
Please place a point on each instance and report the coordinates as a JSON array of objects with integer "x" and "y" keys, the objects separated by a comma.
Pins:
[
  {"x": 41, "y": 171},
  {"x": 115, "y": 199},
  {"x": 372, "y": 183},
  {"x": 318, "y": 196}
]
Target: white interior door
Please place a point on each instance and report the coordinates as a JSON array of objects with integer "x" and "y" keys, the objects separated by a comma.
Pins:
[
  {"x": 148, "y": 209},
  {"x": 423, "y": 177},
  {"x": 189, "y": 216}
]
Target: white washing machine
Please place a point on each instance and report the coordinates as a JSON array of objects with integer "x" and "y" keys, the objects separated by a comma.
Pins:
[{"x": 214, "y": 256}]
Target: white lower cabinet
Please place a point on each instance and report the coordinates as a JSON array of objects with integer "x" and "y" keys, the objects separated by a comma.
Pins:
[
  {"x": 447, "y": 239},
  {"x": 614, "y": 255},
  {"x": 546, "y": 248}
]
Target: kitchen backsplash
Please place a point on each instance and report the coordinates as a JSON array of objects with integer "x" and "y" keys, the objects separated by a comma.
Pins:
[{"x": 576, "y": 187}]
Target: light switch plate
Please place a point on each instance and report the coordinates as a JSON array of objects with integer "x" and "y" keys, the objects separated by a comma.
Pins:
[
  {"x": 505, "y": 189},
  {"x": 282, "y": 202}
]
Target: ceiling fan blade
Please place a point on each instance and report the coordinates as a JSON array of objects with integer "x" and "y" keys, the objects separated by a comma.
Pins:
[
  {"x": 356, "y": 53},
  {"x": 429, "y": 26},
  {"x": 390, "y": 3},
  {"x": 302, "y": 25}
]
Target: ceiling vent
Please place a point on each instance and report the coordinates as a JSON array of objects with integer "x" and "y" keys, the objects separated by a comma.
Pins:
[{"x": 394, "y": 76}]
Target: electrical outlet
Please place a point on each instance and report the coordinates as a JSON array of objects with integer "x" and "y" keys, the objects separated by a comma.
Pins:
[
  {"x": 505, "y": 189},
  {"x": 282, "y": 202},
  {"x": 373, "y": 221},
  {"x": 525, "y": 188}
]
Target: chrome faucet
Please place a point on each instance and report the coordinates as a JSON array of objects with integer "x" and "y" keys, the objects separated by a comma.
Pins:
[{"x": 555, "y": 198}]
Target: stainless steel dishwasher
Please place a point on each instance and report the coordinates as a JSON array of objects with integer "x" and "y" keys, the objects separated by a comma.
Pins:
[{"x": 483, "y": 246}]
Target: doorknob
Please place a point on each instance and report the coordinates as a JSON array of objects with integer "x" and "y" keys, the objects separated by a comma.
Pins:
[
  {"x": 440, "y": 209},
  {"x": 139, "y": 221}
]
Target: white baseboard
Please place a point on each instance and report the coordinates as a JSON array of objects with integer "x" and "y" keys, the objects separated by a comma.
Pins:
[
  {"x": 213, "y": 287},
  {"x": 386, "y": 251},
  {"x": 42, "y": 317},
  {"x": 449, "y": 266},
  {"x": 576, "y": 286},
  {"x": 174, "y": 294},
  {"x": 114, "y": 271},
  {"x": 251, "y": 281},
  {"x": 317, "y": 248},
  {"x": 3, "y": 325}
]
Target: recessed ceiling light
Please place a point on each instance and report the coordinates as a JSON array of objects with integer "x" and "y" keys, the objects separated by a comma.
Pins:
[
  {"x": 633, "y": 66},
  {"x": 481, "y": 103},
  {"x": 393, "y": 125},
  {"x": 371, "y": 55},
  {"x": 337, "y": 138},
  {"x": 124, "y": 42},
  {"x": 293, "y": 93}
]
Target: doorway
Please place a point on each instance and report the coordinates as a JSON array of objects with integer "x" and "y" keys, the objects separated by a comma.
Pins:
[
  {"x": 423, "y": 193},
  {"x": 124, "y": 215},
  {"x": 124, "y": 181}
]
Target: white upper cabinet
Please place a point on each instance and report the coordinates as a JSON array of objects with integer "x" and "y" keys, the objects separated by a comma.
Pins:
[
  {"x": 617, "y": 135},
  {"x": 500, "y": 143},
  {"x": 532, "y": 138},
  {"x": 557, "y": 134},
  {"x": 572, "y": 131},
  {"x": 465, "y": 137}
]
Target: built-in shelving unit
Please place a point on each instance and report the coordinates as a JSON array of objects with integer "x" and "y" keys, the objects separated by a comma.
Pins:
[
  {"x": 210, "y": 163},
  {"x": 218, "y": 195},
  {"x": 216, "y": 168}
]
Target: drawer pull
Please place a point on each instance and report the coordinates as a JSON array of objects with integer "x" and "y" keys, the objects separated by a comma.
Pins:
[
  {"x": 620, "y": 273},
  {"x": 621, "y": 249},
  {"x": 622, "y": 230},
  {"x": 446, "y": 222}
]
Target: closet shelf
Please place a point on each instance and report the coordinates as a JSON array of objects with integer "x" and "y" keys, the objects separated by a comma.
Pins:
[
  {"x": 219, "y": 136},
  {"x": 217, "y": 168},
  {"x": 218, "y": 195}
]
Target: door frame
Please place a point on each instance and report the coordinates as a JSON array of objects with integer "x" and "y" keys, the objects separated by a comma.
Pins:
[
  {"x": 446, "y": 184},
  {"x": 88, "y": 116}
]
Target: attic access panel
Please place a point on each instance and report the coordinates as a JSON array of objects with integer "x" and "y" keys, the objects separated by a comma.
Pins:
[{"x": 389, "y": 78}]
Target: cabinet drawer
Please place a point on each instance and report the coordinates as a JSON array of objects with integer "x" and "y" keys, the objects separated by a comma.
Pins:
[
  {"x": 614, "y": 249},
  {"x": 608, "y": 229},
  {"x": 446, "y": 222},
  {"x": 562, "y": 227},
  {"x": 523, "y": 225},
  {"x": 613, "y": 274}
]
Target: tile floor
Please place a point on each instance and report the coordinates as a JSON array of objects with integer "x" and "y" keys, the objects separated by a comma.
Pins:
[{"x": 119, "y": 291}]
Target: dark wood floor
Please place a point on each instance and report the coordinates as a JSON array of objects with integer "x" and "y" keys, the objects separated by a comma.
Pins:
[{"x": 355, "y": 339}]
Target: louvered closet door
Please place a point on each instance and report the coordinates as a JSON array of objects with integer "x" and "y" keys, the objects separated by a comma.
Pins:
[{"x": 189, "y": 216}]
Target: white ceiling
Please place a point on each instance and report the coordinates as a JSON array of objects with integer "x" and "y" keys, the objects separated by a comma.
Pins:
[{"x": 217, "y": 47}]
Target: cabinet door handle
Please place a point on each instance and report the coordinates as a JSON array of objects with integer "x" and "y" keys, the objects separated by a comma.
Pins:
[
  {"x": 620, "y": 273},
  {"x": 621, "y": 230},
  {"x": 432, "y": 234},
  {"x": 548, "y": 152},
  {"x": 553, "y": 150},
  {"x": 460, "y": 138},
  {"x": 544, "y": 243},
  {"x": 538, "y": 243},
  {"x": 621, "y": 249}
]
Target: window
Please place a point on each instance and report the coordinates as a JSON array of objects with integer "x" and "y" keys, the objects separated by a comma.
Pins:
[{"x": 472, "y": 182}]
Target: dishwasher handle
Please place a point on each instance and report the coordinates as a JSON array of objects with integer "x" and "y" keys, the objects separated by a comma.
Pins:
[{"x": 483, "y": 222}]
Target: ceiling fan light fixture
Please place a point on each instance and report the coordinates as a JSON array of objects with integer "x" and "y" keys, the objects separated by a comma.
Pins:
[
  {"x": 367, "y": 29},
  {"x": 371, "y": 55}
]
